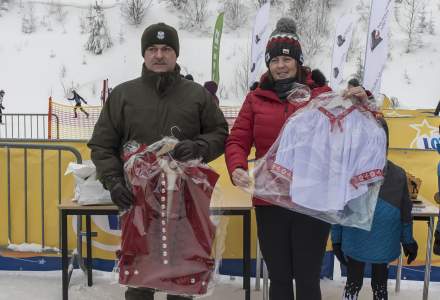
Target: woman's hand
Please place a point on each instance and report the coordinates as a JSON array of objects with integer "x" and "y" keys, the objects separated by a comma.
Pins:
[
  {"x": 357, "y": 92},
  {"x": 240, "y": 178}
]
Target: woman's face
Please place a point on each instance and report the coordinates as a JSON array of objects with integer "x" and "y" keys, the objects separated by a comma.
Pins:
[{"x": 282, "y": 67}]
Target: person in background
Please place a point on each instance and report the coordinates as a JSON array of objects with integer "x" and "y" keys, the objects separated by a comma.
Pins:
[
  {"x": 392, "y": 226},
  {"x": 292, "y": 244},
  {"x": 437, "y": 109},
  {"x": 437, "y": 198},
  {"x": 212, "y": 87},
  {"x": 2, "y": 93},
  {"x": 77, "y": 98},
  {"x": 148, "y": 108}
]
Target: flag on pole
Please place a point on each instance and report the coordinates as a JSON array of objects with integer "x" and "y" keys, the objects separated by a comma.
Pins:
[
  {"x": 260, "y": 35},
  {"x": 376, "y": 51},
  {"x": 215, "y": 67},
  {"x": 341, "y": 43}
]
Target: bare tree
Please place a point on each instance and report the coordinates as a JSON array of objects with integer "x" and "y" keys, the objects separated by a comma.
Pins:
[
  {"x": 99, "y": 38},
  {"x": 63, "y": 71},
  {"x": 409, "y": 16},
  {"x": 4, "y": 6},
  {"x": 359, "y": 74},
  {"x": 194, "y": 14},
  {"x": 272, "y": 2},
  {"x": 83, "y": 24},
  {"x": 431, "y": 25},
  {"x": 134, "y": 10},
  {"x": 178, "y": 3},
  {"x": 60, "y": 13},
  {"x": 311, "y": 21},
  {"x": 235, "y": 13},
  {"x": 241, "y": 73},
  {"x": 422, "y": 22},
  {"x": 28, "y": 21}
]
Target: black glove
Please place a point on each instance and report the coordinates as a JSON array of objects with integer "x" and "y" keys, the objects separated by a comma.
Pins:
[
  {"x": 121, "y": 196},
  {"x": 410, "y": 251},
  {"x": 337, "y": 251},
  {"x": 254, "y": 86},
  {"x": 437, "y": 243},
  {"x": 186, "y": 150},
  {"x": 318, "y": 77},
  {"x": 2, "y": 107}
]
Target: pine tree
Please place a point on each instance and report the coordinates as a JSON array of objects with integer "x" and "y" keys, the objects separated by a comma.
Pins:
[{"x": 99, "y": 38}]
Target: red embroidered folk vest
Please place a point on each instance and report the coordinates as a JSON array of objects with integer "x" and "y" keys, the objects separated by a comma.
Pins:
[{"x": 167, "y": 235}]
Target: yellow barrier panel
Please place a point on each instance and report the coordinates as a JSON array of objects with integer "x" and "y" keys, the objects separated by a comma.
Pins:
[{"x": 416, "y": 129}]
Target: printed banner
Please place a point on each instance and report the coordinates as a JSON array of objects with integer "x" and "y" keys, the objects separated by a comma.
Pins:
[
  {"x": 377, "y": 44},
  {"x": 215, "y": 69},
  {"x": 260, "y": 35},
  {"x": 341, "y": 43}
]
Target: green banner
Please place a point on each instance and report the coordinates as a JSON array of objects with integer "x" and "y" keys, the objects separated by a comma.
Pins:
[{"x": 215, "y": 75}]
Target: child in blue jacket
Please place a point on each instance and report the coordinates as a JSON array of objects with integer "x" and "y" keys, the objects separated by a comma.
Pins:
[{"x": 391, "y": 227}]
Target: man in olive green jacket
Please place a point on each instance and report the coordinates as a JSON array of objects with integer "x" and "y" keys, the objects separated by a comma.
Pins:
[{"x": 157, "y": 104}]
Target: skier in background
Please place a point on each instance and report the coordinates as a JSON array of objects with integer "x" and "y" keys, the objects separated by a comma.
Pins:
[
  {"x": 77, "y": 98},
  {"x": 2, "y": 93}
]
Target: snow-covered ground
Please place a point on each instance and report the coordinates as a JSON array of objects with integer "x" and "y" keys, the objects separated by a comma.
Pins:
[{"x": 47, "y": 286}]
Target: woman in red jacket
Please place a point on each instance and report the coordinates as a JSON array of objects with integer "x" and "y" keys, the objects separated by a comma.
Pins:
[{"x": 292, "y": 244}]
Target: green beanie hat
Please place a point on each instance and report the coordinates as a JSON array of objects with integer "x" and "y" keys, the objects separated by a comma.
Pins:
[{"x": 160, "y": 33}]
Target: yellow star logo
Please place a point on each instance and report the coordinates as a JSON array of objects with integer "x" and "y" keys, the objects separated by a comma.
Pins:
[{"x": 423, "y": 129}]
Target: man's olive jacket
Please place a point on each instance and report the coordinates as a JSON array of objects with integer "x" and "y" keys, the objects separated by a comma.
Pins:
[{"x": 145, "y": 109}]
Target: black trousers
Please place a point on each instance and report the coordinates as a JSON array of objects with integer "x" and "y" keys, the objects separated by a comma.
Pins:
[
  {"x": 293, "y": 246},
  {"x": 148, "y": 294},
  {"x": 355, "y": 278}
]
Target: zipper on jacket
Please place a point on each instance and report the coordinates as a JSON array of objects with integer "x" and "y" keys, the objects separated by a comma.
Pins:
[{"x": 286, "y": 109}]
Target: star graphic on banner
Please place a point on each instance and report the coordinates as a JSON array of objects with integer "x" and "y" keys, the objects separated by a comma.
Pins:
[
  {"x": 423, "y": 130},
  {"x": 395, "y": 114}
]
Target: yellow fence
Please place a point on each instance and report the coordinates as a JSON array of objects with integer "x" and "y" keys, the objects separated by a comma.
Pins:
[{"x": 408, "y": 129}]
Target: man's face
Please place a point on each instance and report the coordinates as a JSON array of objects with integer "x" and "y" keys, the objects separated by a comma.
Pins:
[{"x": 160, "y": 58}]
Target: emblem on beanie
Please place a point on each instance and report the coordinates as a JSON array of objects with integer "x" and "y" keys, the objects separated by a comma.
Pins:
[
  {"x": 160, "y": 35},
  {"x": 286, "y": 51},
  {"x": 267, "y": 57}
]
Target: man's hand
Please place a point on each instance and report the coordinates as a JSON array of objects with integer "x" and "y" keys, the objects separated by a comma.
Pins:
[
  {"x": 410, "y": 251},
  {"x": 186, "y": 150},
  {"x": 121, "y": 196},
  {"x": 337, "y": 251},
  {"x": 357, "y": 92},
  {"x": 241, "y": 178}
]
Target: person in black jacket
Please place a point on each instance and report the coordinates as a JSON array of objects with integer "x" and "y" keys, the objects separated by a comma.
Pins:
[
  {"x": 437, "y": 198},
  {"x": 77, "y": 98},
  {"x": 148, "y": 108},
  {"x": 2, "y": 93}
]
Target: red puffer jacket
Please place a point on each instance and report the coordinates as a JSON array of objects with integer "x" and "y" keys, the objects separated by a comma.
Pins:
[{"x": 258, "y": 124}]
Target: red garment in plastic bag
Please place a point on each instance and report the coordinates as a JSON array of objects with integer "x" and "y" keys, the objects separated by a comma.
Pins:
[{"x": 167, "y": 236}]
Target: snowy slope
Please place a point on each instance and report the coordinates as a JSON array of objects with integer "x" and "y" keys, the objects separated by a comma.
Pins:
[{"x": 35, "y": 66}]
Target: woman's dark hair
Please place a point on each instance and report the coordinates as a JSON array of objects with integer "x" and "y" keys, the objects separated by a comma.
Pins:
[{"x": 384, "y": 125}]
